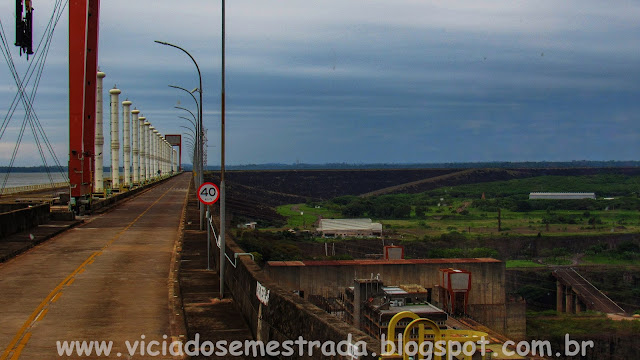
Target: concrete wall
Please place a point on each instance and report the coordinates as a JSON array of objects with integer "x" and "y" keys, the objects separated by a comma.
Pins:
[
  {"x": 6, "y": 207},
  {"x": 487, "y": 278},
  {"x": 487, "y": 298},
  {"x": 286, "y": 316},
  {"x": 23, "y": 219}
]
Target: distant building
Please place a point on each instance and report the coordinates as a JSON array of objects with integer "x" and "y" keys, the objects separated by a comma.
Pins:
[
  {"x": 249, "y": 225},
  {"x": 349, "y": 227},
  {"x": 560, "y": 196}
]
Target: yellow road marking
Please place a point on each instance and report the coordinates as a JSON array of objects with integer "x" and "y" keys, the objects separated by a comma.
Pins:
[
  {"x": 22, "y": 336},
  {"x": 55, "y": 298},
  {"x": 71, "y": 280},
  {"x": 18, "y": 351}
]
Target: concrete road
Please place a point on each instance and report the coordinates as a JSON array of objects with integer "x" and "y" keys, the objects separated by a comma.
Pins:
[{"x": 106, "y": 280}]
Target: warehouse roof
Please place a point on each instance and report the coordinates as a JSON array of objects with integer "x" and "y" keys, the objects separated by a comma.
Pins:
[{"x": 348, "y": 224}]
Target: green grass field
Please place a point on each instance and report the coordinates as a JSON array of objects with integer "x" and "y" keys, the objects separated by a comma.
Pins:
[
  {"x": 459, "y": 208},
  {"x": 309, "y": 216},
  {"x": 522, "y": 263}
]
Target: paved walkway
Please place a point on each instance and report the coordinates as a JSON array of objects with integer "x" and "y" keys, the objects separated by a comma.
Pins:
[{"x": 106, "y": 280}]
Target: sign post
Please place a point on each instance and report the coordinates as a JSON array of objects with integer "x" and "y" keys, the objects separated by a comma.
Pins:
[{"x": 208, "y": 193}]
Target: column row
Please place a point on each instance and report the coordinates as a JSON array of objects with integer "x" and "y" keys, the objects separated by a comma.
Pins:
[{"x": 146, "y": 154}]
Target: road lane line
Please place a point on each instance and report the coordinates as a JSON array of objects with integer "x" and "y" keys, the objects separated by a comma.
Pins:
[
  {"x": 42, "y": 314},
  {"x": 23, "y": 343},
  {"x": 22, "y": 337}
]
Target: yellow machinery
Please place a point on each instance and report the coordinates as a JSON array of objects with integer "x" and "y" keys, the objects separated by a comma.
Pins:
[{"x": 432, "y": 342}]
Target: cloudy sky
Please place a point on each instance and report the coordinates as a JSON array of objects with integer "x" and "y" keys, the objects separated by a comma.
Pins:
[{"x": 366, "y": 81}]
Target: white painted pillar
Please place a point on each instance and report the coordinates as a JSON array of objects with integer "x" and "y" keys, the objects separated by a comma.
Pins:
[
  {"x": 152, "y": 153},
  {"x": 155, "y": 152},
  {"x": 135, "y": 148},
  {"x": 147, "y": 149},
  {"x": 115, "y": 141},
  {"x": 175, "y": 161},
  {"x": 167, "y": 159},
  {"x": 98, "y": 180},
  {"x": 163, "y": 156},
  {"x": 143, "y": 151},
  {"x": 126, "y": 141}
]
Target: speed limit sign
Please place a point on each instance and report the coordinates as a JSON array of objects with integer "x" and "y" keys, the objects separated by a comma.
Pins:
[{"x": 208, "y": 193}]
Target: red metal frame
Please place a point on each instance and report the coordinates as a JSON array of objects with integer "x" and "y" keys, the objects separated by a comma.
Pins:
[
  {"x": 386, "y": 250},
  {"x": 450, "y": 301},
  {"x": 83, "y": 66}
]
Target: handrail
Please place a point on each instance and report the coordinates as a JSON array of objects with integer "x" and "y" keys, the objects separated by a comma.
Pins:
[{"x": 233, "y": 263}]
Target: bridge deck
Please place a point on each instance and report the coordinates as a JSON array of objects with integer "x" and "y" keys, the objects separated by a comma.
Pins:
[
  {"x": 593, "y": 298},
  {"x": 107, "y": 279}
]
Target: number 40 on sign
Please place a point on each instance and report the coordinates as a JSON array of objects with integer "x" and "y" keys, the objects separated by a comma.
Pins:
[{"x": 208, "y": 193}]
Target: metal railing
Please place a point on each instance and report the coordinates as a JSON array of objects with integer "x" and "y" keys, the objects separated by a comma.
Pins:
[{"x": 233, "y": 262}]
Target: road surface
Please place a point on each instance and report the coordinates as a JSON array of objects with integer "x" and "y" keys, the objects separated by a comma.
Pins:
[{"x": 106, "y": 280}]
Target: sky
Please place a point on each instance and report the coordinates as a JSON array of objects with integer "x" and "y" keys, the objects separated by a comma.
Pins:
[{"x": 346, "y": 81}]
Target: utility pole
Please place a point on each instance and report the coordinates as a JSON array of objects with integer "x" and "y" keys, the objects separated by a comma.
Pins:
[{"x": 222, "y": 149}]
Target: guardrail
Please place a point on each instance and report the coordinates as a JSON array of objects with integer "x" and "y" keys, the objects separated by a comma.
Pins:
[{"x": 27, "y": 188}]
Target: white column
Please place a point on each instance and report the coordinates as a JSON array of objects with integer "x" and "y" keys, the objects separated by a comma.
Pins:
[
  {"x": 175, "y": 161},
  {"x": 135, "y": 149},
  {"x": 167, "y": 169},
  {"x": 152, "y": 153},
  {"x": 98, "y": 180},
  {"x": 126, "y": 141},
  {"x": 115, "y": 144},
  {"x": 143, "y": 151},
  {"x": 156, "y": 156},
  {"x": 147, "y": 149}
]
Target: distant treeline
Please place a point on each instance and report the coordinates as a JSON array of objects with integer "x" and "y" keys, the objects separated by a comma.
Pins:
[{"x": 449, "y": 165}]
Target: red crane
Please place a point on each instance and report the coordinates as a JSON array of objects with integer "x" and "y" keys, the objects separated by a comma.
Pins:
[{"x": 83, "y": 66}]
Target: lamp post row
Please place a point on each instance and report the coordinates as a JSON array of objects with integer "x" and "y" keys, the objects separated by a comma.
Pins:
[{"x": 199, "y": 147}]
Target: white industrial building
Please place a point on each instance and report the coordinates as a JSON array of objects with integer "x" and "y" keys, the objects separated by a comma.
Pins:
[
  {"x": 561, "y": 196},
  {"x": 349, "y": 227}
]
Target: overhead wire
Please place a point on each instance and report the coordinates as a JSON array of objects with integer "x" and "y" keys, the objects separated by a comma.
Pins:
[
  {"x": 28, "y": 72},
  {"x": 39, "y": 133}
]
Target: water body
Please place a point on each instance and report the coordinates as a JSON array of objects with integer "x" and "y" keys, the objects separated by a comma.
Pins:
[{"x": 24, "y": 179}]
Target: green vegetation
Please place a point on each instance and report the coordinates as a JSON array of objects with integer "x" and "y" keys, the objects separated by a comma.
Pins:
[
  {"x": 463, "y": 209},
  {"x": 549, "y": 324},
  {"x": 626, "y": 253},
  {"x": 310, "y": 214},
  {"x": 522, "y": 263}
]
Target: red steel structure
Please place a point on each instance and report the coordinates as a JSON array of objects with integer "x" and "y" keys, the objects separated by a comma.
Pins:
[
  {"x": 455, "y": 282},
  {"x": 83, "y": 66}
]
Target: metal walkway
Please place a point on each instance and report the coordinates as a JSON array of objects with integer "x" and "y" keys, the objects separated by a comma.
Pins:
[{"x": 109, "y": 279}]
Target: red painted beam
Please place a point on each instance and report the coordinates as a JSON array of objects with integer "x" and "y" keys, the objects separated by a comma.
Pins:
[
  {"x": 83, "y": 57},
  {"x": 78, "y": 16},
  {"x": 88, "y": 169}
]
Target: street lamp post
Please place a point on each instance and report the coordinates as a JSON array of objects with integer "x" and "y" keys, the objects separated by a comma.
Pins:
[
  {"x": 200, "y": 127},
  {"x": 198, "y": 111},
  {"x": 222, "y": 164}
]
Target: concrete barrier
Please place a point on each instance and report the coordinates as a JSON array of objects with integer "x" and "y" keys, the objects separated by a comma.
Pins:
[
  {"x": 284, "y": 316},
  {"x": 15, "y": 221}
]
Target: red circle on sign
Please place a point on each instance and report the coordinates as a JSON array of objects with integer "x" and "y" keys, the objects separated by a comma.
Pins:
[{"x": 205, "y": 194}]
